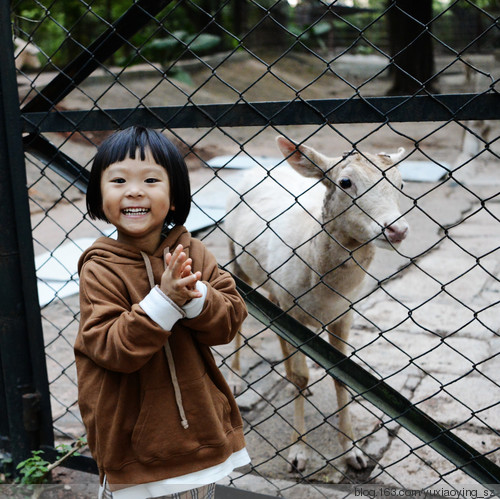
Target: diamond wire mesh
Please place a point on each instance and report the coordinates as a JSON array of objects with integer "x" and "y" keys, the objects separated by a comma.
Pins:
[{"x": 426, "y": 319}]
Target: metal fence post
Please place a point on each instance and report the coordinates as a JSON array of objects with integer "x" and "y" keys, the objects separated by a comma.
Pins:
[{"x": 27, "y": 415}]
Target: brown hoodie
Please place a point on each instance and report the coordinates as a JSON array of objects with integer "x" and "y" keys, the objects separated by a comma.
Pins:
[{"x": 126, "y": 390}]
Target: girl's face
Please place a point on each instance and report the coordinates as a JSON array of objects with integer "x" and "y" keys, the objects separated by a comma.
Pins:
[{"x": 136, "y": 200}]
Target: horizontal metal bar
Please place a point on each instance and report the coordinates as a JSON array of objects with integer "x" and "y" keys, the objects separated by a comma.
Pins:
[
  {"x": 458, "y": 107},
  {"x": 375, "y": 390}
]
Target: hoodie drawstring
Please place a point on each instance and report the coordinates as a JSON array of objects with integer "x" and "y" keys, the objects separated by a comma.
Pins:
[{"x": 167, "y": 349}]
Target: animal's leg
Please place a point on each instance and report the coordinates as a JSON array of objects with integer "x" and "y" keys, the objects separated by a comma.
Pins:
[
  {"x": 234, "y": 380},
  {"x": 338, "y": 338},
  {"x": 298, "y": 373}
]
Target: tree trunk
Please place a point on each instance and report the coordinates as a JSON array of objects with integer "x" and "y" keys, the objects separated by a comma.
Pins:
[
  {"x": 411, "y": 47},
  {"x": 267, "y": 32},
  {"x": 240, "y": 15}
]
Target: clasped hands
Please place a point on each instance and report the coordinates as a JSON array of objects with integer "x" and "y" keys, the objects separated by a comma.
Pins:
[{"x": 178, "y": 281}]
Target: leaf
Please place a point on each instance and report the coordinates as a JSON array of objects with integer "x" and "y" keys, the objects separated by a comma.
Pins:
[
  {"x": 163, "y": 44},
  {"x": 322, "y": 28},
  {"x": 295, "y": 30},
  {"x": 34, "y": 469},
  {"x": 203, "y": 42},
  {"x": 180, "y": 75}
]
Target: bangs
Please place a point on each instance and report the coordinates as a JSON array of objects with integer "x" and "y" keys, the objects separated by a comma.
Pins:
[{"x": 126, "y": 145}]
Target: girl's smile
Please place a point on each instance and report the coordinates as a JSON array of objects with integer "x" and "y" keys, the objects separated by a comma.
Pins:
[
  {"x": 135, "y": 212},
  {"x": 136, "y": 200}
]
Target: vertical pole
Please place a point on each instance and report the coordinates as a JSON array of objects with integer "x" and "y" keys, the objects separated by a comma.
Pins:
[
  {"x": 4, "y": 427},
  {"x": 27, "y": 414}
]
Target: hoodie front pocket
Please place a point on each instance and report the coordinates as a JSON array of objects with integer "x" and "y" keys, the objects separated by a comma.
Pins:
[{"x": 158, "y": 432}]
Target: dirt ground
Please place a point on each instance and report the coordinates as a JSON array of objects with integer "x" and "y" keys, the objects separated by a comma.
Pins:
[{"x": 58, "y": 217}]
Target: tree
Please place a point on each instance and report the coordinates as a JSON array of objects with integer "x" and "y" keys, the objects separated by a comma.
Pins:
[{"x": 410, "y": 44}]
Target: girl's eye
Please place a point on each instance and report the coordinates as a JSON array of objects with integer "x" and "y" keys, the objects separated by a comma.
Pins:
[
  {"x": 345, "y": 183},
  {"x": 151, "y": 180},
  {"x": 118, "y": 181}
]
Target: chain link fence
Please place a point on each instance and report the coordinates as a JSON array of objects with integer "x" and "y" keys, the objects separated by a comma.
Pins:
[{"x": 222, "y": 80}]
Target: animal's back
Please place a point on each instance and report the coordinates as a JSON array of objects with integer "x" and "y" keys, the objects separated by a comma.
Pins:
[
  {"x": 277, "y": 215},
  {"x": 279, "y": 197}
]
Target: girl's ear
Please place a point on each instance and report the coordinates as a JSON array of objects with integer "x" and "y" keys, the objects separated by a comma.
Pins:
[{"x": 172, "y": 207}]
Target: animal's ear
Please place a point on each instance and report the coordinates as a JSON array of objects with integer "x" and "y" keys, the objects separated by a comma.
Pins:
[
  {"x": 303, "y": 159},
  {"x": 392, "y": 158}
]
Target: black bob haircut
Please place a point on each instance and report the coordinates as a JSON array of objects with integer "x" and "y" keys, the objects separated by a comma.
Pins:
[{"x": 134, "y": 141}]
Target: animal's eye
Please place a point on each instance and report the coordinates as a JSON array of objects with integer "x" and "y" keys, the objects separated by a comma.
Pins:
[
  {"x": 402, "y": 185},
  {"x": 345, "y": 183}
]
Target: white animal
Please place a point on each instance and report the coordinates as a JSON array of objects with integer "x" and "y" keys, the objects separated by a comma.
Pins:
[
  {"x": 25, "y": 54},
  {"x": 307, "y": 236}
]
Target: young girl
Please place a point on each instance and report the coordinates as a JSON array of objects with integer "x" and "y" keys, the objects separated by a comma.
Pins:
[{"x": 160, "y": 418}]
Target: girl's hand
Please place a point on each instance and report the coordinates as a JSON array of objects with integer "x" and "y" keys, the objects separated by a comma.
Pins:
[{"x": 178, "y": 282}]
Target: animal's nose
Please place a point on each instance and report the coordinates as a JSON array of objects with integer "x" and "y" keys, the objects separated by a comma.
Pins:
[{"x": 396, "y": 232}]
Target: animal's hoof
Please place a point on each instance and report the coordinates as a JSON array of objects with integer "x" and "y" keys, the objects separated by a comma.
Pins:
[
  {"x": 234, "y": 383},
  {"x": 297, "y": 461},
  {"x": 356, "y": 459}
]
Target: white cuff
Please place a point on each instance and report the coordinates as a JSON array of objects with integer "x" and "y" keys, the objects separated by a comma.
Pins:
[
  {"x": 194, "y": 307},
  {"x": 161, "y": 309}
]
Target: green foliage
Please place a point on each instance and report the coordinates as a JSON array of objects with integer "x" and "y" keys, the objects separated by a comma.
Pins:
[
  {"x": 70, "y": 449},
  {"x": 168, "y": 49},
  {"x": 33, "y": 470},
  {"x": 62, "y": 27},
  {"x": 36, "y": 470},
  {"x": 181, "y": 76},
  {"x": 313, "y": 35},
  {"x": 5, "y": 464}
]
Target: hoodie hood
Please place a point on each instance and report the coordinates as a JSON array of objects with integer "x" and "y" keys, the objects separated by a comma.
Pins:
[{"x": 110, "y": 249}]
